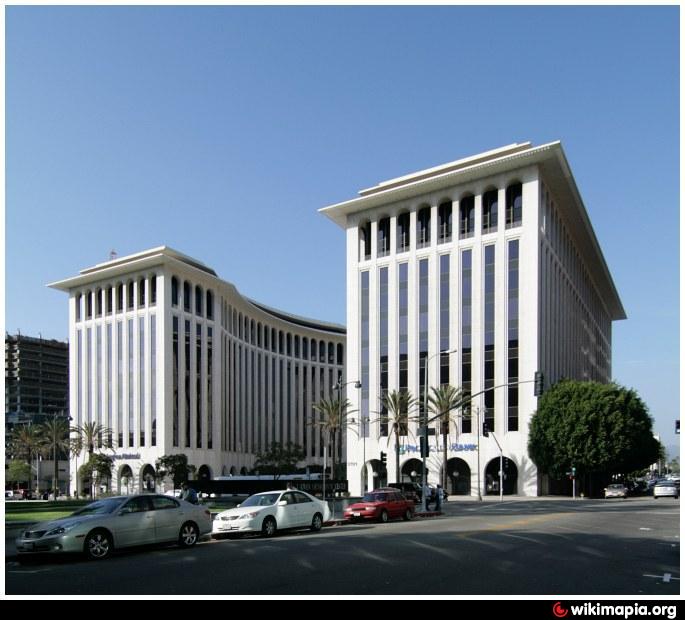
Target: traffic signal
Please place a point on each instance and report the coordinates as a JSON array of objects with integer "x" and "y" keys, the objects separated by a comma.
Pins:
[
  {"x": 425, "y": 446},
  {"x": 486, "y": 429},
  {"x": 677, "y": 427},
  {"x": 539, "y": 383},
  {"x": 384, "y": 458}
]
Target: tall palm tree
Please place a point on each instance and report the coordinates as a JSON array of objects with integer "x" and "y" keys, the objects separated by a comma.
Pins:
[
  {"x": 444, "y": 402},
  {"x": 24, "y": 442},
  {"x": 332, "y": 421},
  {"x": 397, "y": 406},
  {"x": 55, "y": 433},
  {"x": 90, "y": 435}
]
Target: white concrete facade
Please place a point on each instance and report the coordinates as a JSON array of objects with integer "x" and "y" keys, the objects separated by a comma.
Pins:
[
  {"x": 554, "y": 301},
  {"x": 175, "y": 360}
]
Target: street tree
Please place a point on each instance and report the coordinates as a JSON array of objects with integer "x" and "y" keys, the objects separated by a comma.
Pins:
[
  {"x": 175, "y": 466},
  {"x": 332, "y": 421},
  {"x": 600, "y": 429},
  {"x": 279, "y": 459},
  {"x": 444, "y": 401},
  {"x": 397, "y": 409},
  {"x": 55, "y": 434}
]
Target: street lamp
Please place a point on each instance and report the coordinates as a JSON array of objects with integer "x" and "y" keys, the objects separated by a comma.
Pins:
[{"x": 424, "y": 420}]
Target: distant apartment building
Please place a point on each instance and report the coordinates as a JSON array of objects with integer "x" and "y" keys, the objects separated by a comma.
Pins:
[{"x": 36, "y": 378}]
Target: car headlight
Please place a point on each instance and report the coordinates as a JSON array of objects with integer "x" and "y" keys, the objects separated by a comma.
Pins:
[
  {"x": 371, "y": 508},
  {"x": 61, "y": 530},
  {"x": 249, "y": 515}
]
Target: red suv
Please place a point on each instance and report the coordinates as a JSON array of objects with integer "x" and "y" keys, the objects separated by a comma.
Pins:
[{"x": 381, "y": 505}]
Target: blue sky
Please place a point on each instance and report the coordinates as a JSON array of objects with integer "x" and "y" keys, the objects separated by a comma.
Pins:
[{"x": 220, "y": 131}]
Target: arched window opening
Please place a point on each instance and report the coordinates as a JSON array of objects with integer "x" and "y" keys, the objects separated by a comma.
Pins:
[
  {"x": 131, "y": 291},
  {"x": 384, "y": 237},
  {"x": 331, "y": 353},
  {"x": 98, "y": 302},
  {"x": 289, "y": 343},
  {"x": 120, "y": 297},
  {"x": 423, "y": 238},
  {"x": 341, "y": 359},
  {"x": 445, "y": 222},
  {"x": 153, "y": 290},
  {"x": 141, "y": 292},
  {"x": 210, "y": 305},
  {"x": 514, "y": 206},
  {"x": 186, "y": 296},
  {"x": 297, "y": 346},
  {"x": 198, "y": 301},
  {"x": 305, "y": 348},
  {"x": 110, "y": 294},
  {"x": 490, "y": 211},
  {"x": 253, "y": 334},
  {"x": 467, "y": 217},
  {"x": 403, "y": 232},
  {"x": 365, "y": 241},
  {"x": 259, "y": 335},
  {"x": 174, "y": 291},
  {"x": 322, "y": 352}
]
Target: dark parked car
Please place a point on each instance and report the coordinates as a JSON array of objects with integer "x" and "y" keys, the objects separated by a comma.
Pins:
[{"x": 410, "y": 490}]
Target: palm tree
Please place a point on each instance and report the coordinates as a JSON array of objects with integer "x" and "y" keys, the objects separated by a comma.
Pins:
[
  {"x": 396, "y": 406},
  {"x": 89, "y": 436},
  {"x": 443, "y": 402},
  {"x": 332, "y": 422},
  {"x": 24, "y": 442},
  {"x": 55, "y": 434}
]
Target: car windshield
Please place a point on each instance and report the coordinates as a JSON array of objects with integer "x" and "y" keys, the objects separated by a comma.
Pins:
[
  {"x": 261, "y": 500},
  {"x": 101, "y": 507},
  {"x": 615, "y": 486},
  {"x": 665, "y": 484},
  {"x": 374, "y": 497}
]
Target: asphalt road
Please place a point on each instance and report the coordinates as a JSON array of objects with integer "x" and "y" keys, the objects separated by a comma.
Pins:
[{"x": 520, "y": 547}]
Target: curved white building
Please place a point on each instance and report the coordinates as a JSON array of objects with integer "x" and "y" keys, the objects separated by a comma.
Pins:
[
  {"x": 492, "y": 257},
  {"x": 175, "y": 360}
]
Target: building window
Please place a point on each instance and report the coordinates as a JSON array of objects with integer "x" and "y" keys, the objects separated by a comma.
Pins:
[
  {"x": 365, "y": 241},
  {"x": 79, "y": 299},
  {"x": 513, "y": 335},
  {"x": 444, "y": 318},
  {"x": 383, "y": 344},
  {"x": 141, "y": 376},
  {"x": 445, "y": 222},
  {"x": 174, "y": 291},
  {"x": 153, "y": 290},
  {"x": 403, "y": 232},
  {"x": 120, "y": 383},
  {"x": 210, "y": 305},
  {"x": 383, "y": 237},
  {"x": 467, "y": 215},
  {"x": 186, "y": 298},
  {"x": 110, "y": 293},
  {"x": 423, "y": 330},
  {"x": 131, "y": 382},
  {"x": 153, "y": 377},
  {"x": 340, "y": 356},
  {"x": 423, "y": 237},
  {"x": 198, "y": 301},
  {"x": 403, "y": 325},
  {"x": 466, "y": 326},
  {"x": 198, "y": 385},
  {"x": 141, "y": 293},
  {"x": 514, "y": 206},
  {"x": 89, "y": 305},
  {"x": 490, "y": 211},
  {"x": 98, "y": 302},
  {"x": 187, "y": 383},
  {"x": 131, "y": 291},
  {"x": 489, "y": 336},
  {"x": 364, "y": 339}
]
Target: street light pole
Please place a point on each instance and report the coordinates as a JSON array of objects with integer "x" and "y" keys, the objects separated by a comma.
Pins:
[
  {"x": 424, "y": 421},
  {"x": 339, "y": 386}
]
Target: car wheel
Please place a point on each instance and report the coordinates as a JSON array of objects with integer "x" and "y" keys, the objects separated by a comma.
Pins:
[
  {"x": 317, "y": 523},
  {"x": 269, "y": 527},
  {"x": 188, "y": 535},
  {"x": 98, "y": 545},
  {"x": 408, "y": 515},
  {"x": 383, "y": 518}
]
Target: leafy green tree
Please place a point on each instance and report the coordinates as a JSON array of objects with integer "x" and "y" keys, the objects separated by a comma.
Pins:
[
  {"x": 176, "y": 467},
  {"x": 93, "y": 435},
  {"x": 444, "y": 401},
  {"x": 674, "y": 465},
  {"x": 332, "y": 421},
  {"x": 279, "y": 459},
  {"x": 396, "y": 412},
  {"x": 18, "y": 471},
  {"x": 55, "y": 434},
  {"x": 600, "y": 429},
  {"x": 97, "y": 463}
]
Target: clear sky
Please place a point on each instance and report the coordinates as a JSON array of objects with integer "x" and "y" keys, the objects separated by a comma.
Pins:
[{"x": 220, "y": 131}]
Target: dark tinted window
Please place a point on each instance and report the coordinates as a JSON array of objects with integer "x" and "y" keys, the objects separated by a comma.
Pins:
[
  {"x": 302, "y": 498},
  {"x": 163, "y": 503},
  {"x": 137, "y": 504}
]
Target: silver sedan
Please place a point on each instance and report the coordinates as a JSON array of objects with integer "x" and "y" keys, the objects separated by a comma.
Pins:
[{"x": 115, "y": 522}]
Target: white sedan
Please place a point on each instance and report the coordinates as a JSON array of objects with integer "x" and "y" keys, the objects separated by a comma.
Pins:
[{"x": 272, "y": 511}]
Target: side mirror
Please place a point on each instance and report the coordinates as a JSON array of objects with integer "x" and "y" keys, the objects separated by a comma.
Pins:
[{"x": 282, "y": 503}]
